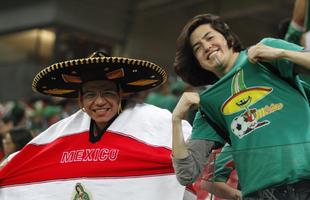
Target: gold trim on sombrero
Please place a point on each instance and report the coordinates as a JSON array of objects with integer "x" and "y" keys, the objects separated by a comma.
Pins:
[
  {"x": 142, "y": 82},
  {"x": 118, "y": 73},
  {"x": 71, "y": 79},
  {"x": 58, "y": 91}
]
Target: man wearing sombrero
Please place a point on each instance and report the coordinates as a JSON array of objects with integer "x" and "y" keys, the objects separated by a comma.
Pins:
[{"x": 113, "y": 148}]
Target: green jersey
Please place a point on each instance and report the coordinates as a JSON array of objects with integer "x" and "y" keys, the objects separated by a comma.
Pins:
[
  {"x": 223, "y": 164},
  {"x": 266, "y": 117},
  {"x": 294, "y": 33}
]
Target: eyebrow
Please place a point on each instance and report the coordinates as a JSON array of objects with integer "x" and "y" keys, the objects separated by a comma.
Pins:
[{"x": 205, "y": 35}]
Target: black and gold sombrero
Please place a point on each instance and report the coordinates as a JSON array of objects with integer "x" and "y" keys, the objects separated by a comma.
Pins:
[{"x": 64, "y": 79}]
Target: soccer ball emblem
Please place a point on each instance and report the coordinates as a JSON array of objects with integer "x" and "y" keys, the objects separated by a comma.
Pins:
[{"x": 241, "y": 126}]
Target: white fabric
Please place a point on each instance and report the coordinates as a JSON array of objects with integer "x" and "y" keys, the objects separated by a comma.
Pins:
[
  {"x": 109, "y": 189},
  {"x": 145, "y": 123},
  {"x": 307, "y": 41}
]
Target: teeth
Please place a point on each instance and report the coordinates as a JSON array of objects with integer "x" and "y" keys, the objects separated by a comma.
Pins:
[
  {"x": 212, "y": 54},
  {"x": 102, "y": 109}
]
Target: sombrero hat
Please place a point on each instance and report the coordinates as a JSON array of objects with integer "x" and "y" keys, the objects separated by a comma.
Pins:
[{"x": 64, "y": 79}]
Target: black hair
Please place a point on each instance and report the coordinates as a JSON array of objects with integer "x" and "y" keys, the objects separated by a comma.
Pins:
[
  {"x": 186, "y": 64},
  {"x": 20, "y": 137}
]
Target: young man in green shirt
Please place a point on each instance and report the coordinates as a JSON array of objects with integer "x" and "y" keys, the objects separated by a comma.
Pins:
[{"x": 257, "y": 101}]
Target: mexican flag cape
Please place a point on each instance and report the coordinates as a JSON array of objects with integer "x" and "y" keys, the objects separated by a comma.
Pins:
[{"x": 132, "y": 160}]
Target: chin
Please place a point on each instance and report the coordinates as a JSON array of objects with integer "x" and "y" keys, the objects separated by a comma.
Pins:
[{"x": 103, "y": 120}]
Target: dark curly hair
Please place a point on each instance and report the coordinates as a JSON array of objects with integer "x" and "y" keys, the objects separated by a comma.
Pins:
[{"x": 185, "y": 64}]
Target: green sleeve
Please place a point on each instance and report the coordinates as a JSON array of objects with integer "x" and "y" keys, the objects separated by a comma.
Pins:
[
  {"x": 284, "y": 66},
  {"x": 293, "y": 35}
]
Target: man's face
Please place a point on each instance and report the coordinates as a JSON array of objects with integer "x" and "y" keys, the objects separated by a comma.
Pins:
[
  {"x": 100, "y": 100},
  {"x": 210, "y": 48}
]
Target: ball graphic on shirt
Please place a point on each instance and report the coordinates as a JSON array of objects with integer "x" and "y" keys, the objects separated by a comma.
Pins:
[{"x": 239, "y": 126}]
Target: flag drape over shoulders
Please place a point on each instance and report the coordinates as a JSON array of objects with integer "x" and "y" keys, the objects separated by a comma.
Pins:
[{"x": 132, "y": 160}]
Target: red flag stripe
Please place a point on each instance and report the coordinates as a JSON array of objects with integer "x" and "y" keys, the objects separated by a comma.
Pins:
[{"x": 74, "y": 156}]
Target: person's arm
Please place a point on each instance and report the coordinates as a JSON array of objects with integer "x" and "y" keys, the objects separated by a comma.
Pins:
[
  {"x": 221, "y": 190},
  {"x": 261, "y": 52},
  {"x": 188, "y": 158},
  {"x": 296, "y": 27},
  {"x": 299, "y": 12},
  {"x": 188, "y": 99}
]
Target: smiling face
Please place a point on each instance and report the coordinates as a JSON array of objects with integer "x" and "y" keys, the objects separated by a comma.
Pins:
[
  {"x": 100, "y": 100},
  {"x": 211, "y": 50}
]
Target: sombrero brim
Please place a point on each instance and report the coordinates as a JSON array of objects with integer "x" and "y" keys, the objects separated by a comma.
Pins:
[{"x": 64, "y": 79}]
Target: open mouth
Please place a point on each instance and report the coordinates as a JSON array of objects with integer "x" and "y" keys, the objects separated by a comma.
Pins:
[
  {"x": 101, "y": 110},
  {"x": 211, "y": 54},
  {"x": 243, "y": 102}
]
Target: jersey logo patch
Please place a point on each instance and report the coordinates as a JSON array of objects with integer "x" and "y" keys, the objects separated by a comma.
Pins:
[{"x": 240, "y": 100}]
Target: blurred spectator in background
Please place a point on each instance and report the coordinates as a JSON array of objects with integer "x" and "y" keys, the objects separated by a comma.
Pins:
[
  {"x": 6, "y": 124},
  {"x": 296, "y": 29},
  {"x": 178, "y": 87},
  {"x": 12, "y": 115},
  {"x": 162, "y": 98},
  {"x": 168, "y": 95},
  {"x": 14, "y": 140},
  {"x": 44, "y": 112},
  {"x": 16, "y": 116},
  {"x": 52, "y": 114},
  {"x": 68, "y": 107}
]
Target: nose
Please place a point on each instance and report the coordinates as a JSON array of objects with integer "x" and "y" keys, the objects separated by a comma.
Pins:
[
  {"x": 100, "y": 99},
  {"x": 206, "y": 45}
]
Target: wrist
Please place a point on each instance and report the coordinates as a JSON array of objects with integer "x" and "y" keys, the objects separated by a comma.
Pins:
[
  {"x": 176, "y": 118},
  {"x": 238, "y": 195},
  {"x": 282, "y": 54}
]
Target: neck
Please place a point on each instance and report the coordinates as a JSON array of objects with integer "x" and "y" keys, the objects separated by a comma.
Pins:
[
  {"x": 100, "y": 126},
  {"x": 104, "y": 125},
  {"x": 226, "y": 67}
]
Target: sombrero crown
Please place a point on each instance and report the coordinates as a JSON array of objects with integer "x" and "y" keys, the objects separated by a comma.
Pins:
[{"x": 64, "y": 79}]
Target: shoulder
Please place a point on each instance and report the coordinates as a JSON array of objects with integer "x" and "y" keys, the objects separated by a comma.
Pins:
[
  {"x": 147, "y": 106},
  {"x": 148, "y": 113},
  {"x": 143, "y": 113},
  {"x": 146, "y": 110},
  {"x": 279, "y": 43},
  {"x": 273, "y": 41},
  {"x": 75, "y": 123},
  {"x": 144, "y": 120}
]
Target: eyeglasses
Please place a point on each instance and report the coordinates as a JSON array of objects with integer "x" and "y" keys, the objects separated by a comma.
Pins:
[{"x": 92, "y": 95}]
